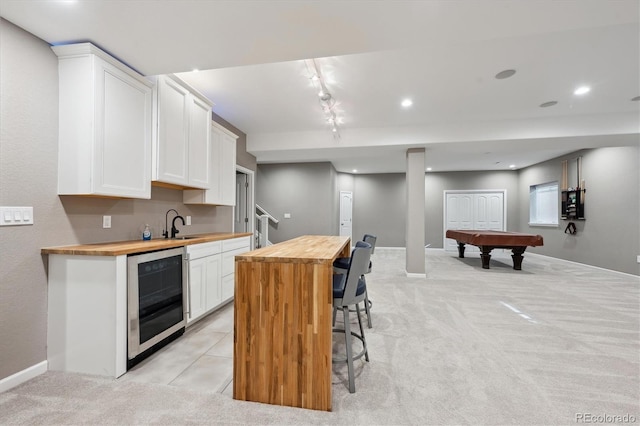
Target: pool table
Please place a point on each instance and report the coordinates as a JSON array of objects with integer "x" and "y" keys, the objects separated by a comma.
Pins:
[{"x": 487, "y": 240}]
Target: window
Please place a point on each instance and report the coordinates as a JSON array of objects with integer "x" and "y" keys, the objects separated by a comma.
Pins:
[{"x": 543, "y": 204}]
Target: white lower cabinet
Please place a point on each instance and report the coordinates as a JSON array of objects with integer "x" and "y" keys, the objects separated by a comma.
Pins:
[
  {"x": 228, "y": 284},
  {"x": 204, "y": 279},
  {"x": 211, "y": 274},
  {"x": 204, "y": 262}
]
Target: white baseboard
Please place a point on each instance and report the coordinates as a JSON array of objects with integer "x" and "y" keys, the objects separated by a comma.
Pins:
[
  {"x": 426, "y": 248},
  {"x": 578, "y": 263},
  {"x": 23, "y": 376}
]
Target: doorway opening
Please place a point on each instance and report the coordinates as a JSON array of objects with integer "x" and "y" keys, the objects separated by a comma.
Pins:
[{"x": 243, "y": 212}]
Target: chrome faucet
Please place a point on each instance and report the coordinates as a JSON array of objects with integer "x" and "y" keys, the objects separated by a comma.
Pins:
[
  {"x": 174, "y": 230},
  {"x": 165, "y": 233}
]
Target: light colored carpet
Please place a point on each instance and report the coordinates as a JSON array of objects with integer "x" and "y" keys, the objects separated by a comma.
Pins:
[{"x": 551, "y": 344}]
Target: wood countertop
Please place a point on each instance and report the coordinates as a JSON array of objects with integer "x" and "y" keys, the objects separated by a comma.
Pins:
[
  {"x": 304, "y": 249},
  {"x": 118, "y": 248}
]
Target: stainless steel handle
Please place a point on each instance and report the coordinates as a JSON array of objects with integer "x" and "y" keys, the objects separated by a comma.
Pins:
[{"x": 187, "y": 286}]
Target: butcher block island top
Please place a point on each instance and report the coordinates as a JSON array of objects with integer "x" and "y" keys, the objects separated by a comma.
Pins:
[
  {"x": 282, "y": 322},
  {"x": 305, "y": 249},
  {"x": 118, "y": 248}
]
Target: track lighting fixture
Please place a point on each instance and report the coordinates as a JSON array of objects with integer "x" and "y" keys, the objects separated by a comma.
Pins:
[{"x": 327, "y": 102}]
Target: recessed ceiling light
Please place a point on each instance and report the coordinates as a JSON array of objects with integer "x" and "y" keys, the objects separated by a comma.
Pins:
[
  {"x": 636, "y": 99},
  {"x": 195, "y": 70},
  {"x": 406, "y": 103},
  {"x": 582, "y": 90},
  {"x": 511, "y": 166},
  {"x": 428, "y": 169},
  {"x": 548, "y": 104},
  {"x": 355, "y": 170},
  {"x": 505, "y": 74}
]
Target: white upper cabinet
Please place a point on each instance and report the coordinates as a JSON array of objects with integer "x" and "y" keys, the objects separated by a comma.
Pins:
[
  {"x": 200, "y": 144},
  {"x": 105, "y": 133},
  {"x": 222, "y": 190},
  {"x": 227, "y": 174},
  {"x": 181, "y": 134}
]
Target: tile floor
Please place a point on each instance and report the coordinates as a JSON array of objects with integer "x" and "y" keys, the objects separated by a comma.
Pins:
[{"x": 201, "y": 359}]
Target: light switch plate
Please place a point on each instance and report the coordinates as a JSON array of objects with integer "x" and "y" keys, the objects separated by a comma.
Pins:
[
  {"x": 14, "y": 216},
  {"x": 188, "y": 220}
]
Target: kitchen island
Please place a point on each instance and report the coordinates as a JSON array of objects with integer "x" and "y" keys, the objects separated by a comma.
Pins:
[{"x": 283, "y": 321}]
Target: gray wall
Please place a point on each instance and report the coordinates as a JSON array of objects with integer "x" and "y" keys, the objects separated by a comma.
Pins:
[
  {"x": 305, "y": 190},
  {"x": 609, "y": 237},
  {"x": 28, "y": 177},
  {"x": 379, "y": 202},
  {"x": 243, "y": 158}
]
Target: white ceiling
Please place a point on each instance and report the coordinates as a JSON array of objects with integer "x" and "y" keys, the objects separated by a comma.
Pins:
[{"x": 442, "y": 54}]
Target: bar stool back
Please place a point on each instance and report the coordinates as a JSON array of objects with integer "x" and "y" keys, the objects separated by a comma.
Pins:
[
  {"x": 349, "y": 290},
  {"x": 341, "y": 264}
]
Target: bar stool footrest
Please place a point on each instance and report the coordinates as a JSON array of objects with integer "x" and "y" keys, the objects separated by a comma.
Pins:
[{"x": 359, "y": 355}]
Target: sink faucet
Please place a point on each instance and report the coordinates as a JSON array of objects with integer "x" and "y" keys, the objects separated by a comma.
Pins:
[
  {"x": 174, "y": 230},
  {"x": 165, "y": 233}
]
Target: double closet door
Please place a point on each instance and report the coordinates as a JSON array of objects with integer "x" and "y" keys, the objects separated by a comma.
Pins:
[{"x": 473, "y": 210}]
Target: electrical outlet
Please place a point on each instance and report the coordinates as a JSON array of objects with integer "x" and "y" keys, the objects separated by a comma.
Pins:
[
  {"x": 287, "y": 215},
  {"x": 106, "y": 221},
  {"x": 188, "y": 220},
  {"x": 638, "y": 259}
]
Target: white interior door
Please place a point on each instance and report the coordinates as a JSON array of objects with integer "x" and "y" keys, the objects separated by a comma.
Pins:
[
  {"x": 346, "y": 212},
  {"x": 473, "y": 210}
]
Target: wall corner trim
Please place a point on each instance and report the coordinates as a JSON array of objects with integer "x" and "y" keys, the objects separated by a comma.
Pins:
[{"x": 23, "y": 376}]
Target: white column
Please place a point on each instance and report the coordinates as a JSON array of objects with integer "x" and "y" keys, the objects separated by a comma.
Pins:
[{"x": 415, "y": 263}]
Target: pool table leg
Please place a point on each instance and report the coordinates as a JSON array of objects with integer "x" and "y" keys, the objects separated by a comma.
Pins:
[
  {"x": 517, "y": 257},
  {"x": 485, "y": 255},
  {"x": 460, "y": 249}
]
